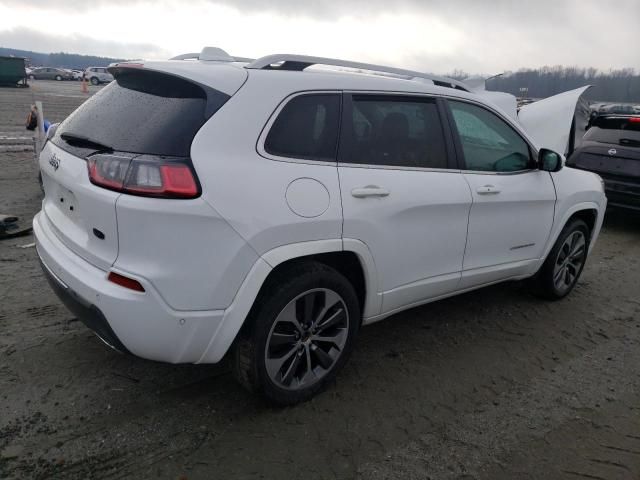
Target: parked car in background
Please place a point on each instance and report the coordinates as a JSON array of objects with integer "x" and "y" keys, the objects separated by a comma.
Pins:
[
  {"x": 617, "y": 109},
  {"x": 50, "y": 73},
  {"x": 98, "y": 75},
  {"x": 77, "y": 74},
  {"x": 367, "y": 195},
  {"x": 611, "y": 148}
]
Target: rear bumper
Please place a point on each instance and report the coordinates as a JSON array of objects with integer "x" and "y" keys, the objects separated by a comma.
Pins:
[
  {"x": 623, "y": 193},
  {"x": 89, "y": 314},
  {"x": 137, "y": 322}
]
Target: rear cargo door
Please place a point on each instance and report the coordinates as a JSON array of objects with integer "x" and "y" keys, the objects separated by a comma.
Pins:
[
  {"x": 144, "y": 113},
  {"x": 81, "y": 215}
]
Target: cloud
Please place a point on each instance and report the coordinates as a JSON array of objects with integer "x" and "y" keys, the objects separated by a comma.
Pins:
[
  {"x": 547, "y": 10},
  {"x": 431, "y": 35},
  {"x": 27, "y": 39}
]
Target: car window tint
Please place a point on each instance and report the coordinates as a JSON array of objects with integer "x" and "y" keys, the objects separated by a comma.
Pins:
[
  {"x": 623, "y": 131},
  {"x": 164, "y": 111},
  {"x": 488, "y": 142},
  {"x": 307, "y": 128},
  {"x": 394, "y": 131}
]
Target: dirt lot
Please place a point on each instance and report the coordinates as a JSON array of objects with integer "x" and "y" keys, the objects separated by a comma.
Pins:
[{"x": 490, "y": 385}]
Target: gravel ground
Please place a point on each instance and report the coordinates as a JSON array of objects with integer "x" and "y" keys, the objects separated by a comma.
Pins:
[{"x": 489, "y": 385}]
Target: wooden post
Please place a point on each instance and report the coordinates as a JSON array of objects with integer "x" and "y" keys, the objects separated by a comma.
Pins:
[{"x": 41, "y": 135}]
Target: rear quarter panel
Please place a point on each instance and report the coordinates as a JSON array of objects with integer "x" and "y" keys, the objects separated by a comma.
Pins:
[
  {"x": 188, "y": 252},
  {"x": 248, "y": 190}
]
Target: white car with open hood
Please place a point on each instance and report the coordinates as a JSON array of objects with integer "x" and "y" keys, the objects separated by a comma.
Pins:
[{"x": 269, "y": 208}]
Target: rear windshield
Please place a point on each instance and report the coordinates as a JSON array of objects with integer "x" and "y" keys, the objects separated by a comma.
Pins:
[
  {"x": 142, "y": 112},
  {"x": 617, "y": 130}
]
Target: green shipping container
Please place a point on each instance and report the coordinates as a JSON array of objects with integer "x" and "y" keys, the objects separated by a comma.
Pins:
[{"x": 12, "y": 71}]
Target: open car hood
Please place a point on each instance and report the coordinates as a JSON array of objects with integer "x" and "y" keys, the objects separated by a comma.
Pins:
[{"x": 548, "y": 122}]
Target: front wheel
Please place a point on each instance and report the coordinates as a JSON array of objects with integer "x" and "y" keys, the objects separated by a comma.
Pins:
[
  {"x": 58, "y": 78},
  {"x": 300, "y": 334},
  {"x": 94, "y": 81},
  {"x": 32, "y": 77},
  {"x": 562, "y": 268}
]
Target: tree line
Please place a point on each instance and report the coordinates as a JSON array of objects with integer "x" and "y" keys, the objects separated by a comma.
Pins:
[
  {"x": 62, "y": 60},
  {"x": 621, "y": 85}
]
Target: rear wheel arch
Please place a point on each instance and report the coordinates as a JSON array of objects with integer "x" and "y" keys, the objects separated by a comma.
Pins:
[
  {"x": 273, "y": 266},
  {"x": 346, "y": 263}
]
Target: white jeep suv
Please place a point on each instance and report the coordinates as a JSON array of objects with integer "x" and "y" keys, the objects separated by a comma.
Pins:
[{"x": 269, "y": 209}]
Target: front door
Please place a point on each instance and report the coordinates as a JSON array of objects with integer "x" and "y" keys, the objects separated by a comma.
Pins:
[
  {"x": 513, "y": 201},
  {"x": 402, "y": 195}
]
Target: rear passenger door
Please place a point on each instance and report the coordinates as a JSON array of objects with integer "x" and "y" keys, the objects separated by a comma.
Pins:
[{"x": 402, "y": 194}]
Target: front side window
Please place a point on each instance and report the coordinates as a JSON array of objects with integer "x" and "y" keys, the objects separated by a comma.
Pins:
[
  {"x": 389, "y": 130},
  {"x": 306, "y": 128},
  {"x": 488, "y": 142}
]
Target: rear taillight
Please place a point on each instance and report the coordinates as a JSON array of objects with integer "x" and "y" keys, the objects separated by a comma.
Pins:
[
  {"x": 144, "y": 175},
  {"x": 634, "y": 120}
]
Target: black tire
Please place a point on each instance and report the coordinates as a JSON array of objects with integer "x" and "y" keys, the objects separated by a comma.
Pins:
[
  {"x": 249, "y": 355},
  {"x": 95, "y": 81},
  {"x": 545, "y": 280},
  {"x": 58, "y": 78}
]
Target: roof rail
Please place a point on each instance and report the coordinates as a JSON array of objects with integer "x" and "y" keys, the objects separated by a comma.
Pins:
[
  {"x": 212, "y": 54},
  {"x": 300, "y": 62}
]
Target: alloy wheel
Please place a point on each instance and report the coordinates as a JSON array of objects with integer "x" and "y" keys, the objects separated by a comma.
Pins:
[
  {"x": 306, "y": 339},
  {"x": 569, "y": 261}
]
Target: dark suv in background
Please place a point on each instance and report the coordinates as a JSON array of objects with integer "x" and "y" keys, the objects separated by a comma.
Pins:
[{"x": 611, "y": 148}]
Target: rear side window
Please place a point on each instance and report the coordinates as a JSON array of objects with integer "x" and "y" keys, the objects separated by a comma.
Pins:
[
  {"x": 307, "y": 128},
  {"x": 142, "y": 112},
  {"x": 396, "y": 131}
]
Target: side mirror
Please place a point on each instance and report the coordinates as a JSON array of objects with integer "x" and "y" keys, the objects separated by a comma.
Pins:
[{"x": 549, "y": 161}]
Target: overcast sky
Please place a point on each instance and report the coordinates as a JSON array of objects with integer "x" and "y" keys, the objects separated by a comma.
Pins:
[{"x": 432, "y": 35}]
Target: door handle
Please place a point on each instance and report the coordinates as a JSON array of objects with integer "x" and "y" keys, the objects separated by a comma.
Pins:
[
  {"x": 487, "y": 190},
  {"x": 369, "y": 191}
]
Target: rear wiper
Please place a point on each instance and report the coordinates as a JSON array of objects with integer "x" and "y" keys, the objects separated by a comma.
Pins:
[{"x": 84, "y": 142}]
